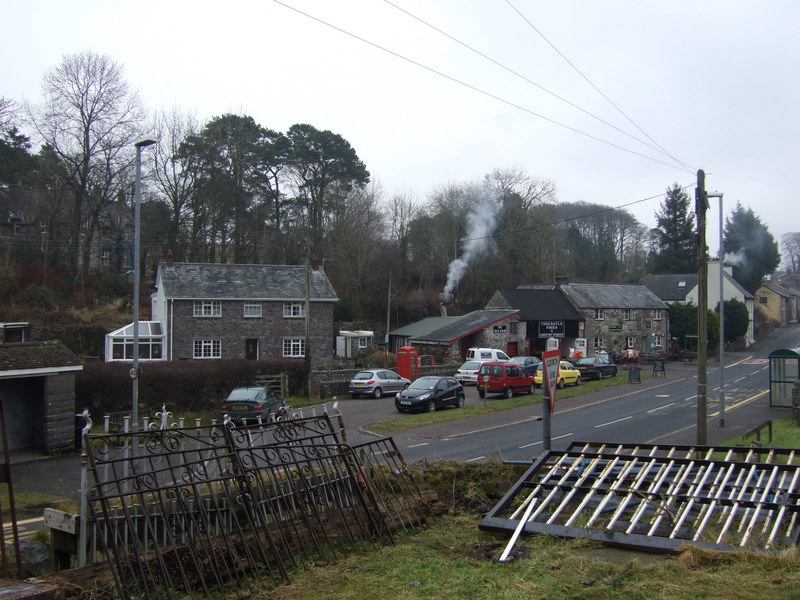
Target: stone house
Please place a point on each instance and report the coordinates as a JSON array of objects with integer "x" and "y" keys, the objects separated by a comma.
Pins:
[
  {"x": 620, "y": 317},
  {"x": 256, "y": 312},
  {"x": 777, "y": 303}
]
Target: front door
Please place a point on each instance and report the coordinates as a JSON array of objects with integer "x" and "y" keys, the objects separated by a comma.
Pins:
[{"x": 251, "y": 349}]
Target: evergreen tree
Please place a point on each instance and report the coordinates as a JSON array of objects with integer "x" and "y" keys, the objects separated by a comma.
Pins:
[
  {"x": 749, "y": 248},
  {"x": 675, "y": 234}
]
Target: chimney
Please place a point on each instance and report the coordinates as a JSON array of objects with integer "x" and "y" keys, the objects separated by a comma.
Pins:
[{"x": 170, "y": 260}]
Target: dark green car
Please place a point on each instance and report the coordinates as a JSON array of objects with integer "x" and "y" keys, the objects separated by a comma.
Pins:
[{"x": 246, "y": 404}]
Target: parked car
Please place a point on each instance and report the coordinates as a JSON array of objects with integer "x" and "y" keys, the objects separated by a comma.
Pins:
[
  {"x": 483, "y": 354},
  {"x": 246, "y": 404},
  {"x": 567, "y": 374},
  {"x": 531, "y": 364},
  {"x": 429, "y": 394},
  {"x": 376, "y": 383},
  {"x": 468, "y": 372},
  {"x": 596, "y": 367},
  {"x": 505, "y": 378}
]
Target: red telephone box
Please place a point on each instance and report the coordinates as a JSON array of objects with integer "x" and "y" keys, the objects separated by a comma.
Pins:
[{"x": 408, "y": 362}]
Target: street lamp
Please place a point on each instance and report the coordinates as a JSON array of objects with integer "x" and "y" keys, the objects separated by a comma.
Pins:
[
  {"x": 721, "y": 316},
  {"x": 134, "y": 372}
]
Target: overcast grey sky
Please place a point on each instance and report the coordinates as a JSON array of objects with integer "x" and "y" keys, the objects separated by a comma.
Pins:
[{"x": 614, "y": 101}]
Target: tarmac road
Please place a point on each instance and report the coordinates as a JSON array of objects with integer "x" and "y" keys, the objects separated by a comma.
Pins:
[{"x": 60, "y": 475}]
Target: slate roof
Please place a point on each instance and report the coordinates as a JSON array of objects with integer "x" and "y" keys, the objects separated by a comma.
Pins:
[
  {"x": 667, "y": 286},
  {"x": 195, "y": 281},
  {"x": 778, "y": 288},
  {"x": 611, "y": 295},
  {"x": 541, "y": 304},
  {"x": 38, "y": 356},
  {"x": 466, "y": 325}
]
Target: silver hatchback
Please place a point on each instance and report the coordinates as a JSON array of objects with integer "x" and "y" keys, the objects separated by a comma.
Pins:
[{"x": 376, "y": 383}]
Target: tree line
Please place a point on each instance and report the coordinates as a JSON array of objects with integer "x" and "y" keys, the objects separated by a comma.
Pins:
[{"x": 233, "y": 190}]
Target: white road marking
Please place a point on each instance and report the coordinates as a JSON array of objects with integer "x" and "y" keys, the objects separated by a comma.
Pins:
[
  {"x": 541, "y": 442},
  {"x": 476, "y": 458},
  {"x": 612, "y": 422},
  {"x": 418, "y": 445},
  {"x": 658, "y": 408}
]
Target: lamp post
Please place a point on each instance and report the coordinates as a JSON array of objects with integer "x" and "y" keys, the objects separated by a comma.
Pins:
[
  {"x": 134, "y": 372},
  {"x": 721, "y": 316}
]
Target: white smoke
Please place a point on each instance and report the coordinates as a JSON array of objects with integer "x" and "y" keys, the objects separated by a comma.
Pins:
[
  {"x": 736, "y": 259},
  {"x": 480, "y": 225}
]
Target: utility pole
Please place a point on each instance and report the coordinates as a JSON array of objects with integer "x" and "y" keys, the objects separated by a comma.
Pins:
[{"x": 701, "y": 205}]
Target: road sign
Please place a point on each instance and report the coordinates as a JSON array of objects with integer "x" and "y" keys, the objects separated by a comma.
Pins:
[{"x": 551, "y": 358}]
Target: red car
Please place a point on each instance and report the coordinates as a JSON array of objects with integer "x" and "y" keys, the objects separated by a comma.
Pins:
[{"x": 505, "y": 378}]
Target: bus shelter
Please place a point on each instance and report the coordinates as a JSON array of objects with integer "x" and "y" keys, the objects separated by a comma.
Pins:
[{"x": 784, "y": 370}]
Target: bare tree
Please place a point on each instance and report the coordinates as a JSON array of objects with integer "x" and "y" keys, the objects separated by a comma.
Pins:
[
  {"x": 174, "y": 175},
  {"x": 790, "y": 245},
  {"x": 90, "y": 119}
]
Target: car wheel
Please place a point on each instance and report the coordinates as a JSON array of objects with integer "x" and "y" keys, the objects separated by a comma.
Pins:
[
  {"x": 508, "y": 392},
  {"x": 400, "y": 410},
  {"x": 533, "y": 389},
  {"x": 614, "y": 372},
  {"x": 377, "y": 392},
  {"x": 431, "y": 406},
  {"x": 481, "y": 393},
  {"x": 578, "y": 381},
  {"x": 600, "y": 374},
  {"x": 461, "y": 401},
  {"x": 561, "y": 384}
]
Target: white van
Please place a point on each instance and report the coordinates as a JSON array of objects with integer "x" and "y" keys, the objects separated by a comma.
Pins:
[{"x": 485, "y": 354}]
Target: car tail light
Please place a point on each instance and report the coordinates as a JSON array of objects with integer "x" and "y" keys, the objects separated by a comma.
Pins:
[
  {"x": 257, "y": 406},
  {"x": 224, "y": 406},
  {"x": 371, "y": 382}
]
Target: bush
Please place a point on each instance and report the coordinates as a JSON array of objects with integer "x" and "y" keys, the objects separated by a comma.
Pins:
[
  {"x": 38, "y": 296},
  {"x": 183, "y": 386}
]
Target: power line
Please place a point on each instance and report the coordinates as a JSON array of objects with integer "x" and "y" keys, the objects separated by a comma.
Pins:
[
  {"x": 655, "y": 147},
  {"x": 474, "y": 88},
  {"x": 598, "y": 90}
]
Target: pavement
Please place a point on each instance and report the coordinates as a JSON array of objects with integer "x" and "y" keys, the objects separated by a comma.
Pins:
[{"x": 60, "y": 475}]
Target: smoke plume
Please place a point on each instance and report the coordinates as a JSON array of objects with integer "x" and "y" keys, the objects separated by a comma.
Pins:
[{"x": 480, "y": 225}]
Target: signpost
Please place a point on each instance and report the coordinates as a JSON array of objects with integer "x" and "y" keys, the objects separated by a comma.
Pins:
[{"x": 550, "y": 360}]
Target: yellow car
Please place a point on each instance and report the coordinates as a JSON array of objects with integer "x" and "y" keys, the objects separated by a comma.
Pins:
[{"x": 567, "y": 373}]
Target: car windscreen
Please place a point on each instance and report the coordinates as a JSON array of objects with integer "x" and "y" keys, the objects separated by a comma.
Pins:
[
  {"x": 585, "y": 361},
  {"x": 244, "y": 394},
  {"x": 424, "y": 383},
  {"x": 470, "y": 365},
  {"x": 364, "y": 375}
]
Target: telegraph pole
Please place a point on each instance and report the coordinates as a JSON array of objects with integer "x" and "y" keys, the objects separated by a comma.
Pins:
[{"x": 701, "y": 205}]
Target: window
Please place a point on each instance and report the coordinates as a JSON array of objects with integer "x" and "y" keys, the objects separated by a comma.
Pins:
[
  {"x": 514, "y": 327},
  {"x": 599, "y": 342},
  {"x": 207, "y": 349},
  {"x": 203, "y": 308},
  {"x": 293, "y": 309},
  {"x": 362, "y": 343},
  {"x": 630, "y": 342},
  {"x": 763, "y": 299},
  {"x": 252, "y": 309},
  {"x": 629, "y": 314},
  {"x": 294, "y": 348},
  {"x": 656, "y": 341},
  {"x": 599, "y": 314},
  {"x": 657, "y": 314}
]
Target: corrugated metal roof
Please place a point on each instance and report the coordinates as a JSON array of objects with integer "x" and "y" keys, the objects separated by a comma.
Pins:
[
  {"x": 465, "y": 325},
  {"x": 424, "y": 327},
  {"x": 243, "y": 282},
  {"x": 611, "y": 295}
]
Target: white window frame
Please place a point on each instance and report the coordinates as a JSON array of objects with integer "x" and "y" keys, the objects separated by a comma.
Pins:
[
  {"x": 294, "y": 310},
  {"x": 207, "y": 308},
  {"x": 630, "y": 314},
  {"x": 630, "y": 342},
  {"x": 206, "y": 349},
  {"x": 657, "y": 341},
  {"x": 657, "y": 314},
  {"x": 294, "y": 348},
  {"x": 362, "y": 342},
  {"x": 253, "y": 310},
  {"x": 599, "y": 342},
  {"x": 599, "y": 314}
]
